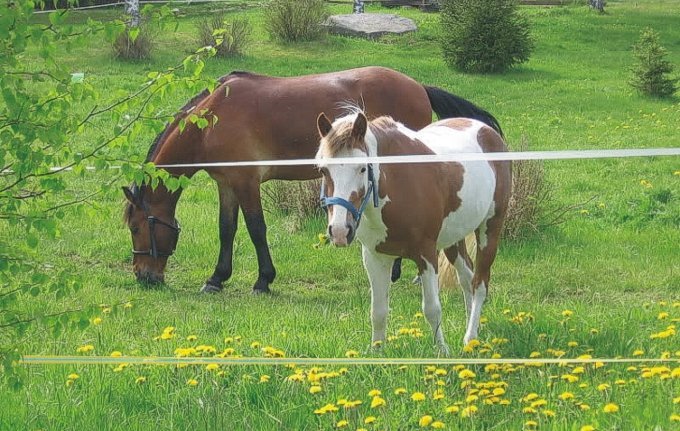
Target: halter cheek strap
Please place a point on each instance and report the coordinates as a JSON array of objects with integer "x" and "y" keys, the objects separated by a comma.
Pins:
[{"x": 356, "y": 213}]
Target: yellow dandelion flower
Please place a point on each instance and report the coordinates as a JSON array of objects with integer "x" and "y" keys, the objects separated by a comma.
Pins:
[
  {"x": 351, "y": 354},
  {"x": 97, "y": 321},
  {"x": 255, "y": 345},
  {"x": 370, "y": 419},
  {"x": 192, "y": 382},
  {"x": 377, "y": 402},
  {"x": 567, "y": 313},
  {"x": 587, "y": 428},
  {"x": 212, "y": 367},
  {"x": 86, "y": 348},
  {"x": 315, "y": 389},
  {"x": 468, "y": 411},
  {"x": 530, "y": 397},
  {"x": 603, "y": 387},
  {"x": 192, "y": 338},
  {"x": 594, "y": 331},
  {"x": 646, "y": 184},
  {"x": 675, "y": 417},
  {"x": 663, "y": 315},
  {"x": 438, "y": 425},
  {"x": 530, "y": 424},
  {"x": 466, "y": 374},
  {"x": 73, "y": 376},
  {"x": 610, "y": 408},
  {"x": 535, "y": 355},
  {"x": 128, "y": 305},
  {"x": 418, "y": 396},
  {"x": 69, "y": 383},
  {"x": 471, "y": 398},
  {"x": 374, "y": 393},
  {"x": 676, "y": 400},
  {"x": 399, "y": 391},
  {"x": 539, "y": 403},
  {"x": 116, "y": 354},
  {"x": 342, "y": 423},
  {"x": 676, "y": 173},
  {"x": 638, "y": 352},
  {"x": 569, "y": 378},
  {"x": 564, "y": 396},
  {"x": 452, "y": 409},
  {"x": 548, "y": 413},
  {"x": 264, "y": 378},
  {"x": 425, "y": 421}
]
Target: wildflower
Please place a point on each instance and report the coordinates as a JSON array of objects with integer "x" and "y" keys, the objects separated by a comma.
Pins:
[
  {"x": 128, "y": 305},
  {"x": 106, "y": 310},
  {"x": 564, "y": 396},
  {"x": 594, "y": 331},
  {"x": 535, "y": 355},
  {"x": 255, "y": 345},
  {"x": 452, "y": 409},
  {"x": 315, "y": 389},
  {"x": 584, "y": 407},
  {"x": 468, "y": 411},
  {"x": 399, "y": 391},
  {"x": 73, "y": 376},
  {"x": 212, "y": 367},
  {"x": 351, "y": 354},
  {"x": 466, "y": 374},
  {"x": 418, "y": 396},
  {"x": 326, "y": 409},
  {"x": 69, "y": 382},
  {"x": 675, "y": 417},
  {"x": 530, "y": 424},
  {"x": 425, "y": 421},
  {"x": 638, "y": 352},
  {"x": 610, "y": 408},
  {"x": 471, "y": 398},
  {"x": 370, "y": 420},
  {"x": 191, "y": 338},
  {"x": 572, "y": 344},
  {"x": 676, "y": 400},
  {"x": 438, "y": 425},
  {"x": 548, "y": 413},
  {"x": 645, "y": 183},
  {"x": 377, "y": 402},
  {"x": 116, "y": 354},
  {"x": 539, "y": 403},
  {"x": 603, "y": 387},
  {"x": 264, "y": 378},
  {"x": 86, "y": 348},
  {"x": 97, "y": 321},
  {"x": 567, "y": 313},
  {"x": 530, "y": 397},
  {"x": 374, "y": 393},
  {"x": 192, "y": 382},
  {"x": 139, "y": 380},
  {"x": 570, "y": 378},
  {"x": 663, "y": 315},
  {"x": 498, "y": 392},
  {"x": 342, "y": 423},
  {"x": 587, "y": 428}
]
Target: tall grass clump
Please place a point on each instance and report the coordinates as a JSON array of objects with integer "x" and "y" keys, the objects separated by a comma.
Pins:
[
  {"x": 651, "y": 73},
  {"x": 135, "y": 44},
  {"x": 298, "y": 199},
  {"x": 484, "y": 36},
  {"x": 229, "y": 38},
  {"x": 295, "y": 20}
]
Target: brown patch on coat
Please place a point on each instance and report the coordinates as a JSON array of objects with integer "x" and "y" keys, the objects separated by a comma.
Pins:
[{"x": 456, "y": 123}]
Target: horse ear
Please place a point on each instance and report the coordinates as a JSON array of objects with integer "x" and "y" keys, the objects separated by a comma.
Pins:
[
  {"x": 324, "y": 125},
  {"x": 130, "y": 196},
  {"x": 360, "y": 125}
]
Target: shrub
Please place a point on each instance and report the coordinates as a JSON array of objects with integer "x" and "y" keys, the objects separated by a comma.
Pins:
[
  {"x": 530, "y": 197},
  {"x": 295, "y": 20},
  {"x": 299, "y": 199},
  {"x": 229, "y": 38},
  {"x": 650, "y": 73},
  {"x": 484, "y": 36},
  {"x": 133, "y": 44}
]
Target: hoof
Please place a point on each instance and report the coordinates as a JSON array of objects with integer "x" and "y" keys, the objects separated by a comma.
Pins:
[
  {"x": 264, "y": 291},
  {"x": 261, "y": 286},
  {"x": 210, "y": 288},
  {"x": 443, "y": 350}
]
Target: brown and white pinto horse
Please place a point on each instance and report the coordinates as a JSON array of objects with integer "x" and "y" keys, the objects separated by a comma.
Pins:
[
  {"x": 261, "y": 118},
  {"x": 414, "y": 210}
]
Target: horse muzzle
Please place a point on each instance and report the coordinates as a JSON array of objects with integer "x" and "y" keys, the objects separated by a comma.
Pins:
[
  {"x": 147, "y": 277},
  {"x": 341, "y": 236}
]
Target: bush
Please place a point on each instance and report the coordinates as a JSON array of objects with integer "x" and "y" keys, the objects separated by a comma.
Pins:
[
  {"x": 650, "y": 74},
  {"x": 484, "y": 36},
  {"x": 229, "y": 38},
  {"x": 295, "y": 20},
  {"x": 133, "y": 44}
]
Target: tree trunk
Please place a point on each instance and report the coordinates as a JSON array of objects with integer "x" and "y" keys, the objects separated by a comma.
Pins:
[
  {"x": 358, "y": 6},
  {"x": 132, "y": 9},
  {"x": 597, "y": 4}
]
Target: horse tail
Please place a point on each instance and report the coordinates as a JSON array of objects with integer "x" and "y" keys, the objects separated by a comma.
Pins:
[{"x": 447, "y": 105}]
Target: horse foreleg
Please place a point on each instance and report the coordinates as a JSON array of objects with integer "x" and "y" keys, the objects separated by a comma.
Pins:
[
  {"x": 228, "y": 222},
  {"x": 432, "y": 308},
  {"x": 378, "y": 270},
  {"x": 251, "y": 206},
  {"x": 458, "y": 256}
]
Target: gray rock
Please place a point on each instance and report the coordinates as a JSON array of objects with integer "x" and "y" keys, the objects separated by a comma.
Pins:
[{"x": 369, "y": 25}]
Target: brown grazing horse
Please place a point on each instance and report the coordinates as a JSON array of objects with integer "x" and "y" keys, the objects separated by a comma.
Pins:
[
  {"x": 413, "y": 210},
  {"x": 262, "y": 118}
]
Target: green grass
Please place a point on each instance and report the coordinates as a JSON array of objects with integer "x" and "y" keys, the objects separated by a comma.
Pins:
[{"x": 614, "y": 264}]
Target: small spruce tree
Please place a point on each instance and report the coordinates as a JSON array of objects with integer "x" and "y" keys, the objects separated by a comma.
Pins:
[
  {"x": 651, "y": 73},
  {"x": 484, "y": 36}
]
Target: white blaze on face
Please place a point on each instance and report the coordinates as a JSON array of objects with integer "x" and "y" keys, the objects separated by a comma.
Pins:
[{"x": 349, "y": 180}]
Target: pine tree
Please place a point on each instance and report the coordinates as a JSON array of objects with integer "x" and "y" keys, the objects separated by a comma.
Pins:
[{"x": 652, "y": 70}]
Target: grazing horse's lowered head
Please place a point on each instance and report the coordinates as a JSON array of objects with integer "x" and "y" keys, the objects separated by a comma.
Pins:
[
  {"x": 412, "y": 210},
  {"x": 154, "y": 235}
]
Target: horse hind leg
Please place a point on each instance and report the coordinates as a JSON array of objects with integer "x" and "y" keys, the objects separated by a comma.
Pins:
[
  {"x": 459, "y": 257},
  {"x": 432, "y": 308},
  {"x": 487, "y": 245}
]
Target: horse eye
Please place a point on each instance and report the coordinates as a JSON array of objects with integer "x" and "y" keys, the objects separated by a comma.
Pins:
[
  {"x": 363, "y": 170},
  {"x": 134, "y": 230}
]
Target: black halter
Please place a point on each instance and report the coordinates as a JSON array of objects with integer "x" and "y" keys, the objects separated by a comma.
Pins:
[{"x": 153, "y": 251}]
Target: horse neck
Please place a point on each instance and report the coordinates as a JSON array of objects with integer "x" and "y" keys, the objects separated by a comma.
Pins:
[{"x": 179, "y": 147}]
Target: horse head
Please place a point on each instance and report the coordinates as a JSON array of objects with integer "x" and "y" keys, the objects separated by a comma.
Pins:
[
  {"x": 346, "y": 187},
  {"x": 155, "y": 232}
]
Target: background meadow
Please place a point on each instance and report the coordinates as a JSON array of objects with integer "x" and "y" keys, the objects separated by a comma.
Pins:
[{"x": 603, "y": 283}]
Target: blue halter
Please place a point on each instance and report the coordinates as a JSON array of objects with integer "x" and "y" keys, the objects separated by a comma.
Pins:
[{"x": 356, "y": 213}]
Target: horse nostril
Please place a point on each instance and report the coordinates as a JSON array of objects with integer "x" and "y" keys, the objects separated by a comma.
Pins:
[
  {"x": 330, "y": 231},
  {"x": 350, "y": 232}
]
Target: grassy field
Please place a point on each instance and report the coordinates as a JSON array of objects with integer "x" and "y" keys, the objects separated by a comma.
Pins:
[{"x": 604, "y": 283}]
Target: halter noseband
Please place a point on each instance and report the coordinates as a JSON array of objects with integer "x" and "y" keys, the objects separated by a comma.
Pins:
[
  {"x": 153, "y": 251},
  {"x": 334, "y": 200}
]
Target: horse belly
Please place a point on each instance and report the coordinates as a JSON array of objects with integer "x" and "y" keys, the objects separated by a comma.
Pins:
[{"x": 476, "y": 195}]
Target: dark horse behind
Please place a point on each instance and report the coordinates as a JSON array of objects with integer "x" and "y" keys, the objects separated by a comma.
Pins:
[{"x": 264, "y": 118}]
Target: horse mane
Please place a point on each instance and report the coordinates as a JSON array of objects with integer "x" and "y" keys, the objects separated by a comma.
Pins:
[{"x": 186, "y": 109}]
